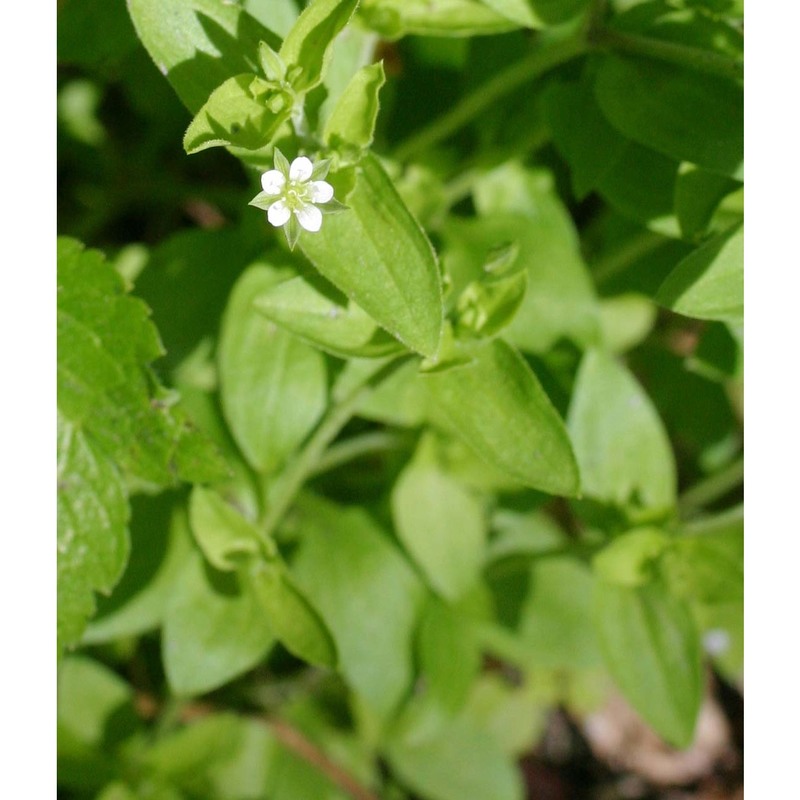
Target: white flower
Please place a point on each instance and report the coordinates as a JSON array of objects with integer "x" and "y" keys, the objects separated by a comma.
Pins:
[{"x": 291, "y": 193}]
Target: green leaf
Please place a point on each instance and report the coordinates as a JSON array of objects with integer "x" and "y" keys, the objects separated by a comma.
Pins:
[
  {"x": 215, "y": 629},
  {"x": 377, "y": 254},
  {"x": 113, "y": 416},
  {"x": 519, "y": 11},
  {"x": 706, "y": 563},
  {"x": 199, "y": 44},
  {"x": 622, "y": 448},
  {"x": 366, "y": 593},
  {"x": 553, "y": 12},
  {"x": 245, "y": 111},
  {"x": 340, "y": 328},
  {"x": 709, "y": 282},
  {"x": 637, "y": 181},
  {"x": 441, "y": 525},
  {"x": 560, "y": 299},
  {"x": 296, "y": 624},
  {"x": 308, "y": 43},
  {"x": 554, "y": 625},
  {"x": 273, "y": 387},
  {"x": 625, "y": 320},
  {"x": 95, "y": 706},
  {"x": 631, "y": 559},
  {"x": 92, "y": 529},
  {"x": 681, "y": 113},
  {"x": 226, "y": 538},
  {"x": 497, "y": 406},
  {"x": 160, "y": 541},
  {"x": 698, "y": 194},
  {"x": 652, "y": 649},
  {"x": 105, "y": 384},
  {"x": 395, "y": 18},
  {"x": 448, "y": 653},
  {"x": 353, "y": 118},
  {"x": 452, "y": 761}
]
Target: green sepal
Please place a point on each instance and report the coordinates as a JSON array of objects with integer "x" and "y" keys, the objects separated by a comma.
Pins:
[{"x": 272, "y": 64}]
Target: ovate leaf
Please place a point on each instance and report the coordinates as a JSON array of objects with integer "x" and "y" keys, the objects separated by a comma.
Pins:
[
  {"x": 274, "y": 387},
  {"x": 307, "y": 44},
  {"x": 377, "y": 254},
  {"x": 226, "y": 538},
  {"x": 709, "y": 283},
  {"x": 622, "y": 447},
  {"x": 296, "y": 624},
  {"x": 449, "y": 654},
  {"x": 353, "y": 118},
  {"x": 199, "y": 44},
  {"x": 681, "y": 113},
  {"x": 652, "y": 649},
  {"x": 341, "y": 328},
  {"x": 440, "y": 523},
  {"x": 367, "y": 594},
  {"x": 215, "y": 628},
  {"x": 395, "y": 18},
  {"x": 453, "y": 761},
  {"x": 495, "y": 404},
  {"x": 245, "y": 111}
]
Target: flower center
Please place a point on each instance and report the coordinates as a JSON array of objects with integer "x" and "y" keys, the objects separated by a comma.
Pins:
[{"x": 296, "y": 194}]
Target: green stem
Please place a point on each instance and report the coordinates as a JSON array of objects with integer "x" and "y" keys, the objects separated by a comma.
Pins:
[
  {"x": 537, "y": 63},
  {"x": 357, "y": 446},
  {"x": 710, "y": 489},
  {"x": 302, "y": 466},
  {"x": 672, "y": 52}
]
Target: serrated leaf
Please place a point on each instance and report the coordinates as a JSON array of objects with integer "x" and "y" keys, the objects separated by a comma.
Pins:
[
  {"x": 709, "y": 282},
  {"x": 92, "y": 529},
  {"x": 497, "y": 406},
  {"x": 652, "y": 649},
  {"x": 112, "y": 416},
  {"x": 344, "y": 330},
  {"x": 366, "y": 593},
  {"x": 376, "y": 253},
  {"x": 105, "y": 385},
  {"x": 307, "y": 44},
  {"x": 199, "y": 44},
  {"x": 353, "y": 118},
  {"x": 396, "y": 18},
  {"x": 160, "y": 540},
  {"x": 273, "y": 387},
  {"x": 440, "y": 523},
  {"x": 215, "y": 628},
  {"x": 245, "y": 111},
  {"x": 226, "y": 538},
  {"x": 622, "y": 447}
]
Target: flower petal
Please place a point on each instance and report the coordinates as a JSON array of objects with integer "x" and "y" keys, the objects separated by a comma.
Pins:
[
  {"x": 320, "y": 191},
  {"x": 272, "y": 182},
  {"x": 301, "y": 169},
  {"x": 278, "y": 213},
  {"x": 310, "y": 217}
]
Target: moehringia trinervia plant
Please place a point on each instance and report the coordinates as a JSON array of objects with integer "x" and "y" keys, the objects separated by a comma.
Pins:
[{"x": 295, "y": 196}]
